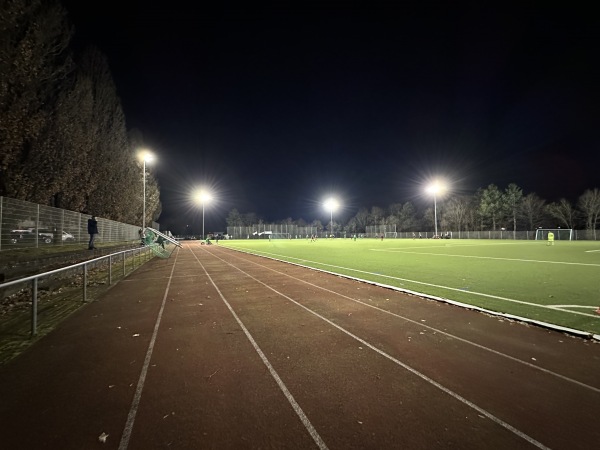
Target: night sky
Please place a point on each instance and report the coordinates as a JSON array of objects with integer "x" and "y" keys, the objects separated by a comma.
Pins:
[{"x": 276, "y": 105}]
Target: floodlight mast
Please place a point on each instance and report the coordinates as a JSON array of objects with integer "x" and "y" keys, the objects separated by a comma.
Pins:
[
  {"x": 146, "y": 156},
  {"x": 331, "y": 204},
  {"x": 202, "y": 197},
  {"x": 434, "y": 189}
]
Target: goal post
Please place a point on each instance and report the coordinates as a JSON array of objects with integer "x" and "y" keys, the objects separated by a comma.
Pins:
[
  {"x": 560, "y": 234},
  {"x": 280, "y": 236},
  {"x": 391, "y": 234}
]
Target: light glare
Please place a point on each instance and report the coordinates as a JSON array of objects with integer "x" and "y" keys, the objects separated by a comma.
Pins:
[
  {"x": 331, "y": 204},
  {"x": 202, "y": 197},
  {"x": 146, "y": 156},
  {"x": 435, "y": 188}
]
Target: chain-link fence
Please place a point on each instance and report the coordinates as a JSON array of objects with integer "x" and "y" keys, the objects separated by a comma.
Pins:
[
  {"x": 24, "y": 224},
  {"x": 389, "y": 231},
  {"x": 273, "y": 231},
  {"x": 283, "y": 231}
]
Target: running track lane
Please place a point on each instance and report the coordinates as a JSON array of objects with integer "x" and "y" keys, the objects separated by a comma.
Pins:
[{"x": 334, "y": 372}]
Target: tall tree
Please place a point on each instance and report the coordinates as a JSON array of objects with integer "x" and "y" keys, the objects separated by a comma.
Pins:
[
  {"x": 361, "y": 220},
  {"x": 34, "y": 38},
  {"x": 512, "y": 197},
  {"x": 250, "y": 219},
  {"x": 234, "y": 218},
  {"x": 317, "y": 224},
  {"x": 533, "y": 210},
  {"x": 589, "y": 204},
  {"x": 393, "y": 217},
  {"x": 564, "y": 212},
  {"x": 109, "y": 183},
  {"x": 72, "y": 138},
  {"x": 376, "y": 216},
  {"x": 491, "y": 206},
  {"x": 407, "y": 217},
  {"x": 456, "y": 212}
]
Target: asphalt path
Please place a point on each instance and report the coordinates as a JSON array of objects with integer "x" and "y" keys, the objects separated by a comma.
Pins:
[{"x": 216, "y": 349}]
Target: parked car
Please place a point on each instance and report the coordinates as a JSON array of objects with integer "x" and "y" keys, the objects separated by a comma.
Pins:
[
  {"x": 50, "y": 234},
  {"x": 67, "y": 236},
  {"x": 29, "y": 236},
  {"x": 45, "y": 234}
]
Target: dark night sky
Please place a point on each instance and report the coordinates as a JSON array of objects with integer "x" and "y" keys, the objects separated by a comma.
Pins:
[{"x": 275, "y": 105}]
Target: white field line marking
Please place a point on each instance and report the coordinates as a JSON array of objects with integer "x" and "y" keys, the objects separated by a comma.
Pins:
[
  {"x": 488, "y": 257},
  {"x": 574, "y": 306},
  {"x": 592, "y": 251},
  {"x": 435, "y": 330},
  {"x": 480, "y": 294},
  {"x": 140, "y": 385},
  {"x": 424, "y": 377},
  {"x": 288, "y": 395},
  {"x": 461, "y": 245}
]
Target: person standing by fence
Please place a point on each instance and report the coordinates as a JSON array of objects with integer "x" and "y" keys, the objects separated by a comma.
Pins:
[{"x": 92, "y": 231}]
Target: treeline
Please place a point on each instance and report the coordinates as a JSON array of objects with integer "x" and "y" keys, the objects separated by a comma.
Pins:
[
  {"x": 489, "y": 208},
  {"x": 63, "y": 135}
]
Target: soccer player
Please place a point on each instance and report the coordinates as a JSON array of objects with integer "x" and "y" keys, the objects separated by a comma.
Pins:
[{"x": 550, "y": 238}]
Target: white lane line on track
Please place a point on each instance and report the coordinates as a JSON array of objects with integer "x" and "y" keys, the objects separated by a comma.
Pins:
[
  {"x": 140, "y": 385},
  {"x": 436, "y": 330},
  {"x": 424, "y": 377},
  {"x": 288, "y": 395}
]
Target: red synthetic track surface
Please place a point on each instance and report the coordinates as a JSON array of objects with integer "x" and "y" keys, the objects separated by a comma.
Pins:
[{"x": 215, "y": 349}]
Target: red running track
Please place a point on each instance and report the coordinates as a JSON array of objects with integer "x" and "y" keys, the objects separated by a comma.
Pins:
[{"x": 215, "y": 349}]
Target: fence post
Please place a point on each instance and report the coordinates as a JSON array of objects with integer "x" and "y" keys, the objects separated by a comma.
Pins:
[
  {"x": 37, "y": 227},
  {"x": 34, "y": 307},
  {"x": 84, "y": 282},
  {"x": 1, "y": 202}
]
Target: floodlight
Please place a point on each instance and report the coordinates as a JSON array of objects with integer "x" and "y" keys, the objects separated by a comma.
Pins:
[
  {"x": 202, "y": 196},
  {"x": 145, "y": 156},
  {"x": 331, "y": 204},
  {"x": 435, "y": 188}
]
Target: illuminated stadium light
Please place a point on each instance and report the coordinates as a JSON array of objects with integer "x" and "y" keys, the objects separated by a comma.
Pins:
[
  {"x": 202, "y": 197},
  {"x": 435, "y": 188},
  {"x": 145, "y": 156},
  {"x": 331, "y": 204}
]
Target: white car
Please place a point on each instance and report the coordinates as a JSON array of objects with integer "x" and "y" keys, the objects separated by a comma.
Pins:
[
  {"x": 48, "y": 235},
  {"x": 67, "y": 236}
]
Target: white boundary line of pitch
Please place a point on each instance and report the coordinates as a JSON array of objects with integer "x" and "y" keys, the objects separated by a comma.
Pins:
[
  {"x": 391, "y": 250},
  {"x": 433, "y": 297},
  {"x": 435, "y": 330},
  {"x": 480, "y": 294}
]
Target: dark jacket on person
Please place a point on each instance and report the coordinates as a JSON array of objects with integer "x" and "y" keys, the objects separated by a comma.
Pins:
[{"x": 92, "y": 226}]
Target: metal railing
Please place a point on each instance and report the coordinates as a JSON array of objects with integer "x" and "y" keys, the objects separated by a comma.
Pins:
[{"x": 136, "y": 255}]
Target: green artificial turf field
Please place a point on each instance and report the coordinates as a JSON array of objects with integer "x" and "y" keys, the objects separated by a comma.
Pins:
[{"x": 557, "y": 284}]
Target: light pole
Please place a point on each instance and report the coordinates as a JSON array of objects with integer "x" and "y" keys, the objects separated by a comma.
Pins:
[
  {"x": 434, "y": 189},
  {"x": 146, "y": 157},
  {"x": 203, "y": 197},
  {"x": 331, "y": 204}
]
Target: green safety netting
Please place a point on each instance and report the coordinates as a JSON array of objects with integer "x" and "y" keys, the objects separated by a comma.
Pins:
[{"x": 158, "y": 243}]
